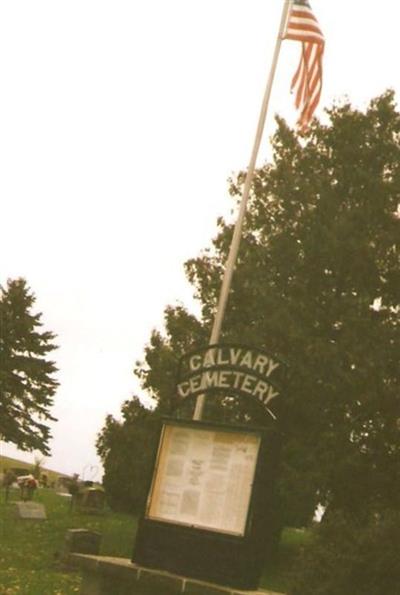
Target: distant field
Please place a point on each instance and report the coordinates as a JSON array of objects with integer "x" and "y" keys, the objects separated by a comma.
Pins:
[{"x": 10, "y": 463}]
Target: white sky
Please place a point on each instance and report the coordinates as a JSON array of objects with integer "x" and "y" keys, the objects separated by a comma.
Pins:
[{"x": 120, "y": 122}]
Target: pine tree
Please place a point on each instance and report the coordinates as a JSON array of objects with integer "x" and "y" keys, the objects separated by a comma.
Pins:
[{"x": 27, "y": 383}]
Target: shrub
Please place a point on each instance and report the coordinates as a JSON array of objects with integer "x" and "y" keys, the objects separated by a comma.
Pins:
[{"x": 345, "y": 558}]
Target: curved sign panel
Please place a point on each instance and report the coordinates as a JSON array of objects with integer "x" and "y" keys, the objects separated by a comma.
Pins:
[{"x": 232, "y": 369}]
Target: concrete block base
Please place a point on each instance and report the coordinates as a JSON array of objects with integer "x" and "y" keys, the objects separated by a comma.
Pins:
[{"x": 103, "y": 575}]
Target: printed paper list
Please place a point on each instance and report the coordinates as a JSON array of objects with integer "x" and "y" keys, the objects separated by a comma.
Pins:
[{"x": 204, "y": 478}]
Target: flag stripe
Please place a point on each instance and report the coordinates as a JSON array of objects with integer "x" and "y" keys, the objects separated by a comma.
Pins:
[{"x": 307, "y": 81}]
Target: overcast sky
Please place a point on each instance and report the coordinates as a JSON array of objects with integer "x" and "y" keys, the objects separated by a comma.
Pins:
[{"x": 120, "y": 123}]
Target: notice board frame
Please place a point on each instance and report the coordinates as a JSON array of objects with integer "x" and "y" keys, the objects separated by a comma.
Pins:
[
  {"x": 227, "y": 557},
  {"x": 195, "y": 464}
]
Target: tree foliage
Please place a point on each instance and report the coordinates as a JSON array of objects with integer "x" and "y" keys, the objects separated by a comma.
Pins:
[
  {"x": 317, "y": 282},
  {"x": 351, "y": 559},
  {"x": 126, "y": 448},
  {"x": 27, "y": 383}
]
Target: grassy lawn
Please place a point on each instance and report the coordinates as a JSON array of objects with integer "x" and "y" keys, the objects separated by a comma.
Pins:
[
  {"x": 291, "y": 542},
  {"x": 29, "y": 550}
]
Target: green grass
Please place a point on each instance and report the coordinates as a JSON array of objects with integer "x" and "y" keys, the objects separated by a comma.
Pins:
[
  {"x": 30, "y": 550},
  {"x": 277, "y": 579}
]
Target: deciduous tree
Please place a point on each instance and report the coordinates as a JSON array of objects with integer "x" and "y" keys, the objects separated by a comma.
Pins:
[
  {"x": 126, "y": 448},
  {"x": 317, "y": 282}
]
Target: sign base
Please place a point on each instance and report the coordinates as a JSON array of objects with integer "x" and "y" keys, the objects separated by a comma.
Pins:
[{"x": 118, "y": 575}]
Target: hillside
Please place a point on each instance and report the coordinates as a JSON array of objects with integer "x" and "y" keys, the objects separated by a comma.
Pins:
[{"x": 8, "y": 462}]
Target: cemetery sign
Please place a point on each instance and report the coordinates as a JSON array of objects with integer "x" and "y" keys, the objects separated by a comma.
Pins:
[
  {"x": 210, "y": 505},
  {"x": 232, "y": 369}
]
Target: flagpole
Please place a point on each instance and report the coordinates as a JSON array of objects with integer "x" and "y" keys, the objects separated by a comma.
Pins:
[{"x": 234, "y": 248}]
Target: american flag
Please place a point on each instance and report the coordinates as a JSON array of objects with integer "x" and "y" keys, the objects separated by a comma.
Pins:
[{"x": 307, "y": 82}]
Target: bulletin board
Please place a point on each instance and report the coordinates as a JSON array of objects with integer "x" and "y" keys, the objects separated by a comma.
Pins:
[{"x": 203, "y": 478}]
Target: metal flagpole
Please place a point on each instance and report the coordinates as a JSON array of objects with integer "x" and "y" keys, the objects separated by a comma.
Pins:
[{"x": 234, "y": 248}]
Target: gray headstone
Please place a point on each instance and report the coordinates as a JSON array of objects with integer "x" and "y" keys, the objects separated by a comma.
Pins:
[
  {"x": 82, "y": 541},
  {"x": 30, "y": 510}
]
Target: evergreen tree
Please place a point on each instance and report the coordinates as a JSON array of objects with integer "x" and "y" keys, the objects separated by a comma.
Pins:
[{"x": 27, "y": 383}]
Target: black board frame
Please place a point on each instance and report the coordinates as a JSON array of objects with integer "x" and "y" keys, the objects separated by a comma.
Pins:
[{"x": 234, "y": 560}]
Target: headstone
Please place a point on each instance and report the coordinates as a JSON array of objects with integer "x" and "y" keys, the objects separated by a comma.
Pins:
[
  {"x": 82, "y": 541},
  {"x": 92, "y": 500},
  {"x": 30, "y": 510}
]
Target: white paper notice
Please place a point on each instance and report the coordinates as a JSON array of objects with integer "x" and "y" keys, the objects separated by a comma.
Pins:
[{"x": 204, "y": 478}]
